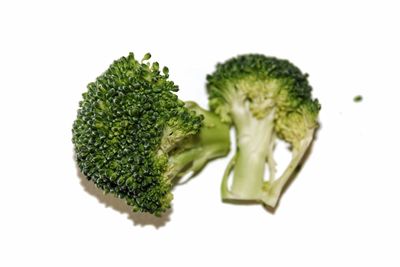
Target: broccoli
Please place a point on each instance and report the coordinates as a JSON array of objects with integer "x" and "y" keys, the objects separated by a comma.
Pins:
[
  {"x": 265, "y": 98},
  {"x": 134, "y": 138},
  {"x": 358, "y": 98}
]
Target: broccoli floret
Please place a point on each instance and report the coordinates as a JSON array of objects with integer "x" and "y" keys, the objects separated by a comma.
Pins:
[
  {"x": 265, "y": 98},
  {"x": 134, "y": 138}
]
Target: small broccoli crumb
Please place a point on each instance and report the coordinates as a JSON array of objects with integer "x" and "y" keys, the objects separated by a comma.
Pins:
[{"x": 358, "y": 98}]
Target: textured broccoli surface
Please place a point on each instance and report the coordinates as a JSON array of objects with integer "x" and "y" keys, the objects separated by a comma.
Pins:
[
  {"x": 265, "y": 98},
  {"x": 134, "y": 138}
]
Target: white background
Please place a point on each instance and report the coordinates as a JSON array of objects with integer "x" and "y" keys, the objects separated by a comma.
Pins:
[{"x": 341, "y": 210}]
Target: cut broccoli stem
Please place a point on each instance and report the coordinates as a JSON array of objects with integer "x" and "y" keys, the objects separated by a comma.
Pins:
[
  {"x": 211, "y": 142},
  {"x": 248, "y": 175},
  {"x": 256, "y": 141},
  {"x": 270, "y": 159},
  {"x": 182, "y": 163},
  {"x": 225, "y": 192},
  {"x": 273, "y": 192},
  {"x": 253, "y": 144}
]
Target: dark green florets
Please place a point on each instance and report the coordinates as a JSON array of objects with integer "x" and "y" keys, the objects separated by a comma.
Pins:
[
  {"x": 261, "y": 68},
  {"x": 120, "y": 131}
]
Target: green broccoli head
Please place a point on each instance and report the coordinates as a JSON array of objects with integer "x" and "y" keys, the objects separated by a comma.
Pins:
[
  {"x": 133, "y": 137},
  {"x": 264, "y": 98}
]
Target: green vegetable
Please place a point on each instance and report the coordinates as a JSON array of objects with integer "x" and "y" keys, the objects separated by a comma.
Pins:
[
  {"x": 358, "y": 98},
  {"x": 265, "y": 98},
  {"x": 134, "y": 138}
]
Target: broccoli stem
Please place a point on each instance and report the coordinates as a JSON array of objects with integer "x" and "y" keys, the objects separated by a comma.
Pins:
[
  {"x": 180, "y": 163},
  {"x": 254, "y": 137},
  {"x": 255, "y": 145},
  {"x": 270, "y": 159},
  {"x": 248, "y": 175},
  {"x": 211, "y": 142},
  {"x": 271, "y": 196},
  {"x": 225, "y": 192}
]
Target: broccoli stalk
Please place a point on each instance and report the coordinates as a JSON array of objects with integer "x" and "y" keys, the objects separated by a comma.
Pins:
[
  {"x": 255, "y": 142},
  {"x": 264, "y": 98},
  {"x": 211, "y": 142},
  {"x": 253, "y": 138},
  {"x": 273, "y": 188}
]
